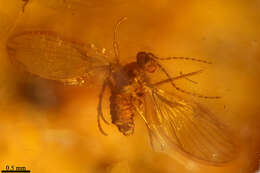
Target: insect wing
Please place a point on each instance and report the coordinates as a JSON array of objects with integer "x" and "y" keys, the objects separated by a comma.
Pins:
[
  {"x": 174, "y": 123},
  {"x": 49, "y": 56}
]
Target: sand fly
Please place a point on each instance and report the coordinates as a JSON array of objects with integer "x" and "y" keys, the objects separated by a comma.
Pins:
[{"x": 173, "y": 123}]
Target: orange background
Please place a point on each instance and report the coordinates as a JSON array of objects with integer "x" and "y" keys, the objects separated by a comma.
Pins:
[{"x": 48, "y": 127}]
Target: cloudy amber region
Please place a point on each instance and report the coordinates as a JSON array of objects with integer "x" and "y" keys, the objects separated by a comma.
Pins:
[{"x": 48, "y": 127}]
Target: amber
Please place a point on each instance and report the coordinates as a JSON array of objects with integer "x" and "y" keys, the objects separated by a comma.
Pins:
[{"x": 49, "y": 127}]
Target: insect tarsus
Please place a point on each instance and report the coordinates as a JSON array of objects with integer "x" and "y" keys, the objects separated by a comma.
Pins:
[{"x": 25, "y": 4}]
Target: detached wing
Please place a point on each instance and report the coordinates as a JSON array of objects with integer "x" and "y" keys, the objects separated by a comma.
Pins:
[
  {"x": 177, "y": 124},
  {"x": 49, "y": 56}
]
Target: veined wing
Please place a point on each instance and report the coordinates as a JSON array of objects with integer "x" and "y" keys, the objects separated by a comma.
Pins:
[
  {"x": 174, "y": 123},
  {"x": 49, "y": 56}
]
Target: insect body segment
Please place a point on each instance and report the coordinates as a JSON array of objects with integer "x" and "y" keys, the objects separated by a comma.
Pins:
[{"x": 122, "y": 114}]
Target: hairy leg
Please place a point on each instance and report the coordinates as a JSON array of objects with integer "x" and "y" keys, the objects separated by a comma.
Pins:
[
  {"x": 99, "y": 108},
  {"x": 177, "y": 77}
]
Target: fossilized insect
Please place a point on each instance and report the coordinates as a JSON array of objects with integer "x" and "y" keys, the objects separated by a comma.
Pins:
[{"x": 172, "y": 121}]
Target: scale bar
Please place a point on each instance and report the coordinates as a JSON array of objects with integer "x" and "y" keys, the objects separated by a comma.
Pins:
[{"x": 5, "y": 171}]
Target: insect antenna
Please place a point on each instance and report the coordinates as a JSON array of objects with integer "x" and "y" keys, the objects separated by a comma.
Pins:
[
  {"x": 182, "y": 90},
  {"x": 183, "y": 58},
  {"x": 116, "y": 42}
]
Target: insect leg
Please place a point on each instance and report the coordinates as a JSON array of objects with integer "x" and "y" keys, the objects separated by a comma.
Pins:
[
  {"x": 99, "y": 108},
  {"x": 189, "y": 79},
  {"x": 180, "y": 89},
  {"x": 25, "y": 4},
  {"x": 100, "y": 102},
  {"x": 177, "y": 77},
  {"x": 141, "y": 115},
  {"x": 115, "y": 42},
  {"x": 151, "y": 136}
]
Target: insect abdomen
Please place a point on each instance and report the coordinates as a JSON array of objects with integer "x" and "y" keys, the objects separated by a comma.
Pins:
[{"x": 121, "y": 110}]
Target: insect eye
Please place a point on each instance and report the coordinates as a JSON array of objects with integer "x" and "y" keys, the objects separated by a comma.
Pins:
[{"x": 142, "y": 58}]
